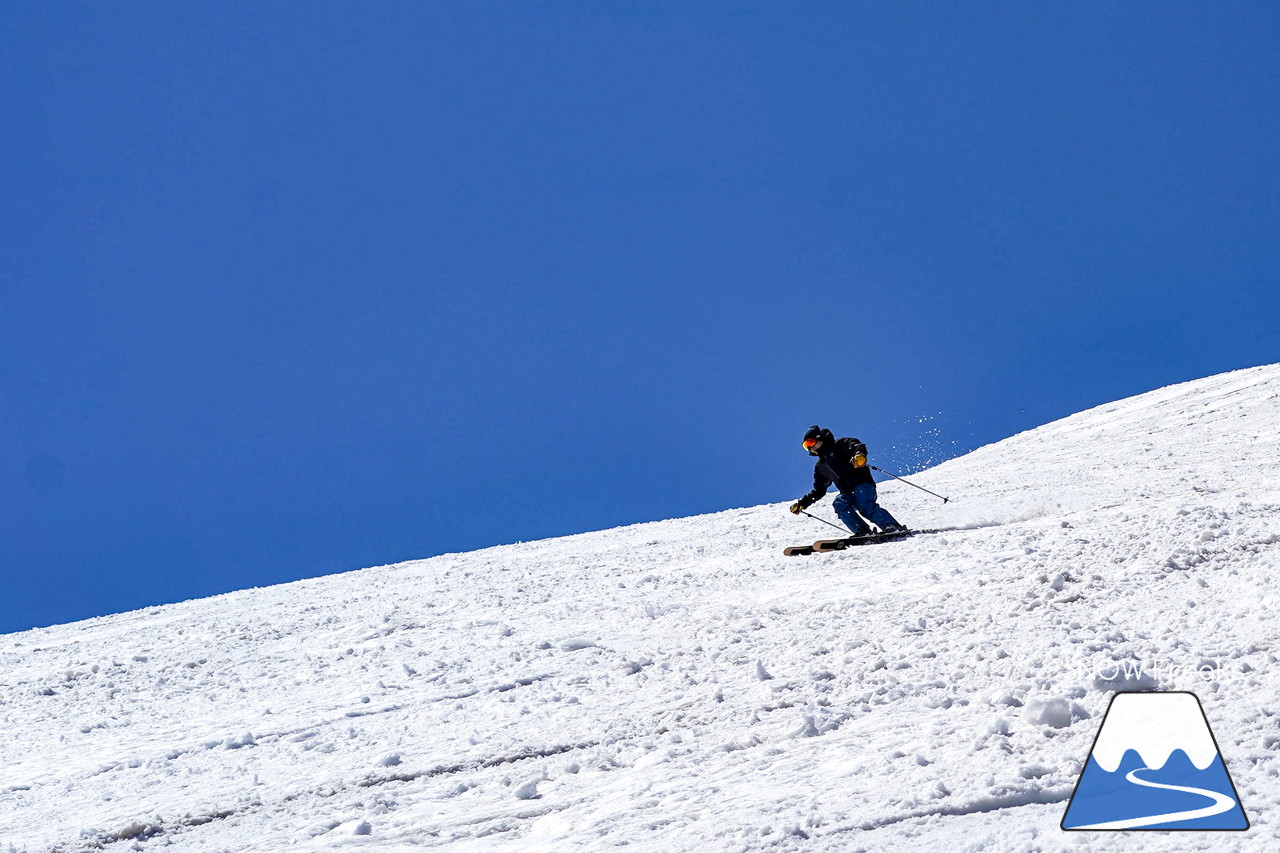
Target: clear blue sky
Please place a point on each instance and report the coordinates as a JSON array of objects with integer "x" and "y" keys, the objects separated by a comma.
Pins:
[{"x": 296, "y": 288}]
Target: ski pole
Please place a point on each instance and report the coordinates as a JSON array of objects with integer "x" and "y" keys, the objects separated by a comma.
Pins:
[
  {"x": 824, "y": 521},
  {"x": 908, "y": 482}
]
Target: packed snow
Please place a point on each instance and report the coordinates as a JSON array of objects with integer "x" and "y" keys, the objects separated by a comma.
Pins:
[{"x": 681, "y": 685}]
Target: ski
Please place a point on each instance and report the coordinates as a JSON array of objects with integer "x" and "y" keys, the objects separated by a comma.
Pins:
[
  {"x": 797, "y": 550},
  {"x": 823, "y": 546}
]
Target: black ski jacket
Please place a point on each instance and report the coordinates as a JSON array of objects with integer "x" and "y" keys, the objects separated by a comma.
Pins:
[{"x": 835, "y": 465}]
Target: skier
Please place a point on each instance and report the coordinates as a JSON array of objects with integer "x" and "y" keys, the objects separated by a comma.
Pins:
[{"x": 843, "y": 461}]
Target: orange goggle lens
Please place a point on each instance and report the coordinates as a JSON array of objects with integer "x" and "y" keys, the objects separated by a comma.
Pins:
[{"x": 810, "y": 444}]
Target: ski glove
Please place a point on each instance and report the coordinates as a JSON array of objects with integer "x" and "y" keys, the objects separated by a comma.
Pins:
[
  {"x": 795, "y": 508},
  {"x": 859, "y": 460}
]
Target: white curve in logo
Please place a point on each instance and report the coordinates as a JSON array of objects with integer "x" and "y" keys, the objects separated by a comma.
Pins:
[{"x": 1222, "y": 803}]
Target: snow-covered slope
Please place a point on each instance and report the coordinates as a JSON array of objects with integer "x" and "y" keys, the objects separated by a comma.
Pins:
[{"x": 682, "y": 686}]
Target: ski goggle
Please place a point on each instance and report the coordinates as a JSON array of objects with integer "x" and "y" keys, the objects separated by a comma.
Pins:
[{"x": 810, "y": 444}]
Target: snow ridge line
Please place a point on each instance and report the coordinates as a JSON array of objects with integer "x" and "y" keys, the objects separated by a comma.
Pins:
[
  {"x": 977, "y": 806},
  {"x": 145, "y": 830},
  {"x": 484, "y": 764},
  {"x": 501, "y": 687}
]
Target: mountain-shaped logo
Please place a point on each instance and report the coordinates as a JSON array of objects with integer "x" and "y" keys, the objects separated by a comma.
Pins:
[{"x": 1155, "y": 765}]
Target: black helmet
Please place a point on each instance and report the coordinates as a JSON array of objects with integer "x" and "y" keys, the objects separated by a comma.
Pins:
[{"x": 816, "y": 433}]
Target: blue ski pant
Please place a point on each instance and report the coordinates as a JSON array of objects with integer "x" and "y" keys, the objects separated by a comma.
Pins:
[{"x": 862, "y": 502}]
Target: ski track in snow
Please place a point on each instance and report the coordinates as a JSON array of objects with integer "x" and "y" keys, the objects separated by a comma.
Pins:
[{"x": 681, "y": 685}]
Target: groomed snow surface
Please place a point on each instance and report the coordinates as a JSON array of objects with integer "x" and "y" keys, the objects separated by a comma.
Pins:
[{"x": 683, "y": 686}]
